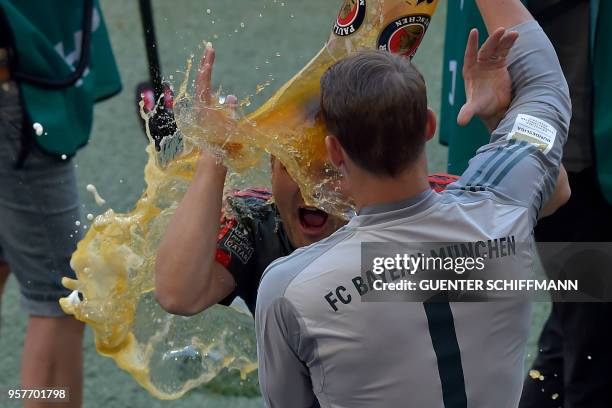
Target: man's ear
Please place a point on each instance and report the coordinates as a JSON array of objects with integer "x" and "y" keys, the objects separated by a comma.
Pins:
[
  {"x": 431, "y": 124},
  {"x": 335, "y": 152}
]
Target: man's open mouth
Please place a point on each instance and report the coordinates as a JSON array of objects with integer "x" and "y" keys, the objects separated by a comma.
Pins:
[{"x": 312, "y": 219}]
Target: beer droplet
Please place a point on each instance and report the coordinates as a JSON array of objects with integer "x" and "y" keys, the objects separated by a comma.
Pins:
[
  {"x": 90, "y": 216},
  {"x": 99, "y": 200},
  {"x": 245, "y": 102},
  {"x": 535, "y": 374},
  {"x": 77, "y": 223},
  {"x": 555, "y": 396},
  {"x": 208, "y": 11},
  {"x": 64, "y": 157},
  {"x": 38, "y": 129}
]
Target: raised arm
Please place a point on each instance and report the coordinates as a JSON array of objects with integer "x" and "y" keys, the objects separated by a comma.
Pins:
[
  {"x": 502, "y": 13},
  {"x": 187, "y": 277},
  {"x": 521, "y": 164}
]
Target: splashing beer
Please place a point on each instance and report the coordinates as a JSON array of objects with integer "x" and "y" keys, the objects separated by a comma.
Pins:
[
  {"x": 114, "y": 263},
  {"x": 288, "y": 125}
]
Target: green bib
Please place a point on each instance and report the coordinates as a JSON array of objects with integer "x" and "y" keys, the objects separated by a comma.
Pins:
[
  {"x": 47, "y": 44},
  {"x": 602, "y": 90},
  {"x": 462, "y": 142}
]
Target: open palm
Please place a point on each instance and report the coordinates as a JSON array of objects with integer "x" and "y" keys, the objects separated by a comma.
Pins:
[{"x": 488, "y": 87}]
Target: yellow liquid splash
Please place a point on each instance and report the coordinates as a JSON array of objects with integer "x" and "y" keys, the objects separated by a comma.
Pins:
[
  {"x": 289, "y": 125},
  {"x": 169, "y": 355},
  {"x": 114, "y": 263}
]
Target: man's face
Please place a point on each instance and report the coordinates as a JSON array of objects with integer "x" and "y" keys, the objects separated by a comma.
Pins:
[{"x": 304, "y": 225}]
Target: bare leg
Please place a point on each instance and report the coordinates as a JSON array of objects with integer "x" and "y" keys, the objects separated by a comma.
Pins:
[{"x": 53, "y": 357}]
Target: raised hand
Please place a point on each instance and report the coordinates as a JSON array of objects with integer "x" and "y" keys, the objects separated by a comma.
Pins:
[
  {"x": 488, "y": 87},
  {"x": 218, "y": 119}
]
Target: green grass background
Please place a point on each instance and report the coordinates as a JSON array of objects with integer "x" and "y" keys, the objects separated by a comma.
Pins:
[{"x": 114, "y": 160}]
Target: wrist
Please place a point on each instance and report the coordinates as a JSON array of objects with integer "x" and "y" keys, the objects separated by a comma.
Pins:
[
  {"x": 210, "y": 166},
  {"x": 210, "y": 162}
]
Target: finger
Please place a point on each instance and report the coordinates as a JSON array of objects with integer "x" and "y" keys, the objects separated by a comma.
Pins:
[
  {"x": 203, "y": 84},
  {"x": 471, "y": 48},
  {"x": 487, "y": 51},
  {"x": 232, "y": 105},
  {"x": 232, "y": 101},
  {"x": 210, "y": 53},
  {"x": 506, "y": 43},
  {"x": 465, "y": 114},
  {"x": 204, "y": 77}
]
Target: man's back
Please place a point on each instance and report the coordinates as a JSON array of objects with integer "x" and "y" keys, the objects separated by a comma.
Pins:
[{"x": 361, "y": 354}]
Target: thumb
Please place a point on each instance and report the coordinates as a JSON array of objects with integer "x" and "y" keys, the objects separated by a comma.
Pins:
[{"x": 465, "y": 114}]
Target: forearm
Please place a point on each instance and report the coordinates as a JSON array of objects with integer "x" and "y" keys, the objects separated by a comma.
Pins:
[
  {"x": 535, "y": 127},
  {"x": 560, "y": 196},
  {"x": 503, "y": 13},
  {"x": 539, "y": 88},
  {"x": 185, "y": 258}
]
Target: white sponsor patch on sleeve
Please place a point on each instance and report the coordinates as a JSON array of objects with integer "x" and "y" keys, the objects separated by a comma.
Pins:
[{"x": 535, "y": 131}]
